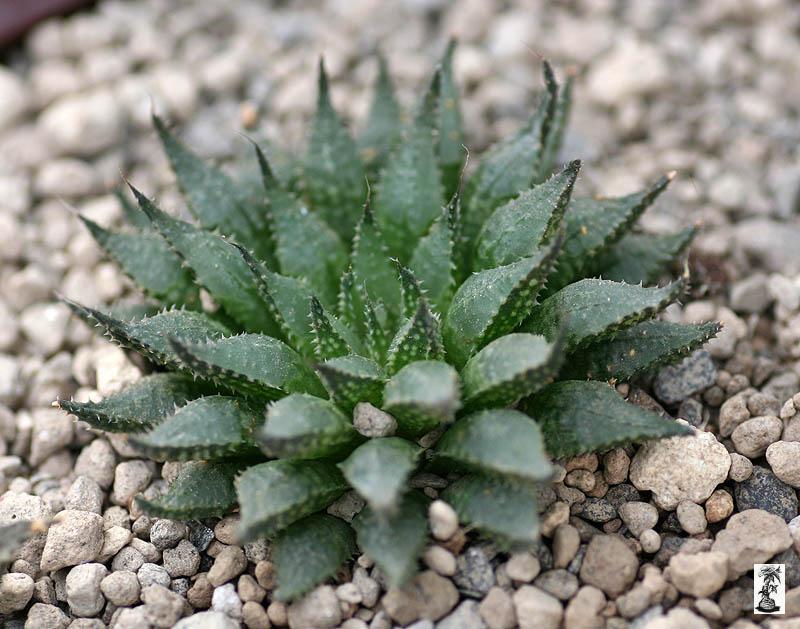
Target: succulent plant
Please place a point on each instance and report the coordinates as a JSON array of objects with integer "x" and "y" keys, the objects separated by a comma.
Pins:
[{"x": 370, "y": 319}]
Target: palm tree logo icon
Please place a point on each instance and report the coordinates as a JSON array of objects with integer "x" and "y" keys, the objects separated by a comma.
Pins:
[{"x": 771, "y": 579}]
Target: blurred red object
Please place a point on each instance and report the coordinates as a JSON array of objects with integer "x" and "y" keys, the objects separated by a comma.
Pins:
[{"x": 17, "y": 16}]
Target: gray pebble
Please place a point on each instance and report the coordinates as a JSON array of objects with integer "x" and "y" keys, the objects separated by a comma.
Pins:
[
  {"x": 41, "y": 616},
  {"x": 183, "y": 560},
  {"x": 83, "y": 589},
  {"x": 128, "y": 559},
  {"x": 162, "y": 607},
  {"x": 152, "y": 574},
  {"x": 226, "y": 600},
  {"x": 121, "y": 588},
  {"x": 167, "y": 533}
]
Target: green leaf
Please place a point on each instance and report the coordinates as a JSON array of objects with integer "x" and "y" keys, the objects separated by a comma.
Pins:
[
  {"x": 377, "y": 339},
  {"x": 272, "y": 495},
  {"x": 133, "y": 215},
  {"x": 509, "y": 368},
  {"x": 14, "y": 534},
  {"x": 217, "y": 266},
  {"x": 287, "y": 299},
  {"x": 555, "y": 134},
  {"x": 643, "y": 258},
  {"x": 383, "y": 122},
  {"x": 594, "y": 225},
  {"x": 590, "y": 416},
  {"x": 302, "y": 426},
  {"x": 499, "y": 506},
  {"x": 497, "y": 441},
  {"x": 201, "y": 490},
  {"x": 432, "y": 260},
  {"x": 310, "y": 551},
  {"x": 505, "y": 169},
  {"x": 494, "y": 302},
  {"x": 370, "y": 263},
  {"x": 450, "y": 147},
  {"x": 417, "y": 338},
  {"x": 252, "y": 364},
  {"x": 150, "y": 336},
  {"x": 334, "y": 175},
  {"x": 322, "y": 257},
  {"x": 329, "y": 338},
  {"x": 410, "y": 290},
  {"x": 638, "y": 350},
  {"x": 520, "y": 227},
  {"x": 593, "y": 309},
  {"x": 410, "y": 190},
  {"x": 379, "y": 469},
  {"x": 421, "y": 396},
  {"x": 352, "y": 379},
  {"x": 395, "y": 541},
  {"x": 208, "y": 428},
  {"x": 147, "y": 259},
  {"x": 139, "y": 406},
  {"x": 215, "y": 199}
]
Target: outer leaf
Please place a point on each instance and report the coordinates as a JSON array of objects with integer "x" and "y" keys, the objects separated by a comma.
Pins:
[
  {"x": 352, "y": 379},
  {"x": 638, "y": 350},
  {"x": 201, "y": 490},
  {"x": 214, "y": 198},
  {"x": 432, "y": 261},
  {"x": 309, "y": 551},
  {"x": 217, "y": 265},
  {"x": 334, "y": 175},
  {"x": 370, "y": 263},
  {"x": 505, "y": 169},
  {"x": 288, "y": 301},
  {"x": 306, "y": 427},
  {"x": 147, "y": 259},
  {"x": 410, "y": 191},
  {"x": 520, "y": 227},
  {"x": 323, "y": 256},
  {"x": 499, "y": 506},
  {"x": 594, "y": 225},
  {"x": 589, "y": 416},
  {"x": 508, "y": 369},
  {"x": 494, "y": 302},
  {"x": 593, "y": 309},
  {"x": 133, "y": 215},
  {"x": 556, "y": 130},
  {"x": 211, "y": 427},
  {"x": 329, "y": 340},
  {"x": 421, "y": 396},
  {"x": 272, "y": 495},
  {"x": 383, "y": 123},
  {"x": 450, "y": 126},
  {"x": 138, "y": 407},
  {"x": 395, "y": 542},
  {"x": 252, "y": 364},
  {"x": 498, "y": 441},
  {"x": 379, "y": 468},
  {"x": 643, "y": 258},
  {"x": 150, "y": 336},
  {"x": 416, "y": 339}
]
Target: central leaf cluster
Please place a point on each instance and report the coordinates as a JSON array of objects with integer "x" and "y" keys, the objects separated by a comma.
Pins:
[{"x": 461, "y": 332}]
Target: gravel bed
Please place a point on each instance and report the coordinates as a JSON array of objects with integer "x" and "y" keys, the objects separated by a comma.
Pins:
[{"x": 659, "y": 536}]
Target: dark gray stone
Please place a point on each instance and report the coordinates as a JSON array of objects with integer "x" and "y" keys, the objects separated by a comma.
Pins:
[
  {"x": 475, "y": 574},
  {"x": 692, "y": 411},
  {"x": 763, "y": 490},
  {"x": 199, "y": 535},
  {"x": 617, "y": 495},
  {"x": 677, "y": 382},
  {"x": 595, "y": 510},
  {"x": 792, "y": 561}
]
